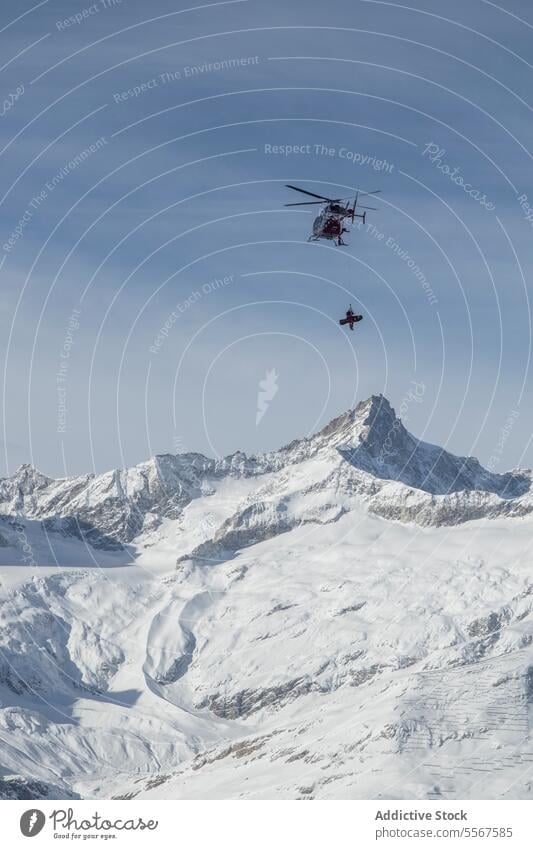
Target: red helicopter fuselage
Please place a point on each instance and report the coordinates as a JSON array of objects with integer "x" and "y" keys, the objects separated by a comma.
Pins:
[{"x": 330, "y": 223}]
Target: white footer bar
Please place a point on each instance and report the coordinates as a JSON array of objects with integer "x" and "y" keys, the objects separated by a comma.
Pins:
[{"x": 264, "y": 824}]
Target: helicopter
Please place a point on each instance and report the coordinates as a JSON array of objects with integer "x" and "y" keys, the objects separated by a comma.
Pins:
[
  {"x": 329, "y": 223},
  {"x": 351, "y": 318}
]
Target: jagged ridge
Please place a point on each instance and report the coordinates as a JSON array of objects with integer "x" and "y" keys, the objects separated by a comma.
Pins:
[{"x": 365, "y": 453}]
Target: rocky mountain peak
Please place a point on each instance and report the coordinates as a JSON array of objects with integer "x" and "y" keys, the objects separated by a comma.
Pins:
[
  {"x": 370, "y": 419},
  {"x": 28, "y": 478},
  {"x": 376, "y": 417}
]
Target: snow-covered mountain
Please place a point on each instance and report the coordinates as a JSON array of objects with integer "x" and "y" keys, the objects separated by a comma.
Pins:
[
  {"x": 348, "y": 616},
  {"x": 365, "y": 456}
]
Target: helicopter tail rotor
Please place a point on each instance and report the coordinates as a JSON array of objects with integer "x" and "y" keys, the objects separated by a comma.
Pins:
[{"x": 354, "y": 205}]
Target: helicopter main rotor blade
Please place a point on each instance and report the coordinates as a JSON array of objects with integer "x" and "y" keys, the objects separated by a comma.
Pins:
[
  {"x": 375, "y": 192},
  {"x": 312, "y": 194},
  {"x": 368, "y": 207},
  {"x": 306, "y": 203}
]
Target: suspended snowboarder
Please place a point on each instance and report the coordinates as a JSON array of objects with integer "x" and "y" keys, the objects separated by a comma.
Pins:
[{"x": 351, "y": 318}]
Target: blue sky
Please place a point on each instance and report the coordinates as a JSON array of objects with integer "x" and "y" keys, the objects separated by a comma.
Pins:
[{"x": 140, "y": 191}]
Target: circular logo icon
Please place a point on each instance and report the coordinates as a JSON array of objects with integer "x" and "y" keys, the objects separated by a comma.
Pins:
[{"x": 32, "y": 822}]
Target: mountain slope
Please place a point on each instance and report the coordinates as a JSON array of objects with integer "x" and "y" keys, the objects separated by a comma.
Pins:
[{"x": 357, "y": 658}]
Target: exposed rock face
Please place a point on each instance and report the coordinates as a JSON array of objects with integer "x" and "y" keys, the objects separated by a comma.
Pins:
[
  {"x": 24, "y": 788},
  {"x": 384, "y": 448}
]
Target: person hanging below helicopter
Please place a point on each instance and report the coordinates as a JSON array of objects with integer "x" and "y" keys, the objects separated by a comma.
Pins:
[{"x": 351, "y": 318}]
